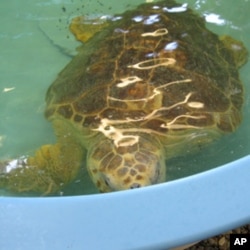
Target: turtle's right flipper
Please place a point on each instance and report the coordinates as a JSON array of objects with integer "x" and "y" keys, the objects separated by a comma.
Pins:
[
  {"x": 18, "y": 177},
  {"x": 46, "y": 173}
]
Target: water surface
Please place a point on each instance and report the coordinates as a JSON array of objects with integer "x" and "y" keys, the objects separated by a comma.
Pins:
[{"x": 36, "y": 45}]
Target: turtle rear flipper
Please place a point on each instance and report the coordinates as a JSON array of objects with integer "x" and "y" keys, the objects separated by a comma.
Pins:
[
  {"x": 237, "y": 49},
  {"x": 83, "y": 29}
]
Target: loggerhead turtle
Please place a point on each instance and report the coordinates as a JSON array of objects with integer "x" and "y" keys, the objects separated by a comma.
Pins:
[{"x": 149, "y": 84}]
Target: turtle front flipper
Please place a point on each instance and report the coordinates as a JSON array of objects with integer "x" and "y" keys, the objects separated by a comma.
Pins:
[{"x": 52, "y": 167}]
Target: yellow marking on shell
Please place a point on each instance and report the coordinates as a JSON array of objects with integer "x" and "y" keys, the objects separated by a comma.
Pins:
[
  {"x": 156, "y": 92},
  {"x": 116, "y": 134},
  {"x": 154, "y": 63},
  {"x": 171, "y": 124},
  {"x": 196, "y": 105},
  {"x": 127, "y": 81},
  {"x": 159, "y": 32},
  {"x": 152, "y": 114},
  {"x": 174, "y": 82},
  {"x": 107, "y": 126}
]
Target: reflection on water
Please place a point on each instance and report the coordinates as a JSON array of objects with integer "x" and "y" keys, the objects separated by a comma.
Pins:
[{"x": 40, "y": 45}]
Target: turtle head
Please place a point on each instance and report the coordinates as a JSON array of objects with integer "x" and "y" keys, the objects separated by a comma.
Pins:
[{"x": 127, "y": 165}]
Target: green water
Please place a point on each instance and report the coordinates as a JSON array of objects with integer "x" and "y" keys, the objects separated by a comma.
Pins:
[{"x": 36, "y": 45}]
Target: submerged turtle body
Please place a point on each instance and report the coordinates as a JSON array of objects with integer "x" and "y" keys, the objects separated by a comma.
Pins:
[{"x": 151, "y": 83}]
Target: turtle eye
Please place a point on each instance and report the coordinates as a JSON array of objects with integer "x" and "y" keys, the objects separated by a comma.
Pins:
[
  {"x": 135, "y": 185},
  {"x": 107, "y": 181}
]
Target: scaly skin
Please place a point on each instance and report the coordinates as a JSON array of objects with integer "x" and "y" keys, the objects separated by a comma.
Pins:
[{"x": 132, "y": 165}]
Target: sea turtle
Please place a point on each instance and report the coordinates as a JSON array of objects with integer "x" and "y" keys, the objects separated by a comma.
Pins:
[{"x": 151, "y": 83}]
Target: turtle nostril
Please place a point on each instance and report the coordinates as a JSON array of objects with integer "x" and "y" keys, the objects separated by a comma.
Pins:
[{"x": 135, "y": 185}]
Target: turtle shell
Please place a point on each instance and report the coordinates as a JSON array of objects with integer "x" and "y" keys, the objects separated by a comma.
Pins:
[
  {"x": 158, "y": 67},
  {"x": 151, "y": 82}
]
